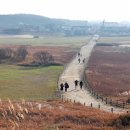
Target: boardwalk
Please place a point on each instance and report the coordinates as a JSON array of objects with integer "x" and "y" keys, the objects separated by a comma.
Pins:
[{"x": 75, "y": 71}]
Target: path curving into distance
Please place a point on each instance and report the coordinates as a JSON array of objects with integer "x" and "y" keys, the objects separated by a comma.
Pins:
[{"x": 75, "y": 70}]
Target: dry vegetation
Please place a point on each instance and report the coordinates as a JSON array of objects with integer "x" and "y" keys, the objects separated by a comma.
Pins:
[
  {"x": 56, "y": 115},
  {"x": 61, "y": 54},
  {"x": 109, "y": 70}
]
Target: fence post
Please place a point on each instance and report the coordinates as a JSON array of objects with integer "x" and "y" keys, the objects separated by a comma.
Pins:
[
  {"x": 112, "y": 110},
  {"x": 123, "y": 105},
  {"x": 99, "y": 105},
  {"x": 106, "y": 100},
  {"x": 91, "y": 105}
]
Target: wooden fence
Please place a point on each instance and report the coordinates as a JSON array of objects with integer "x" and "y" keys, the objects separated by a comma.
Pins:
[{"x": 104, "y": 99}]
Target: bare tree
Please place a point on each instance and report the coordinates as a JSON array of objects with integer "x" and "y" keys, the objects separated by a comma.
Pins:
[
  {"x": 6, "y": 54},
  {"x": 21, "y": 53},
  {"x": 9, "y": 53},
  {"x": 43, "y": 58},
  {"x": 2, "y": 54}
]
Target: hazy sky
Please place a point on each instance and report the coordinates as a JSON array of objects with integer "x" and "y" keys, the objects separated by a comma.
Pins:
[{"x": 110, "y": 10}]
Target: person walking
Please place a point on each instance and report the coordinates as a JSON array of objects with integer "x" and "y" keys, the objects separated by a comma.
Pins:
[
  {"x": 76, "y": 82},
  {"x": 84, "y": 60},
  {"x": 79, "y": 60},
  {"x": 61, "y": 86},
  {"x": 81, "y": 84},
  {"x": 66, "y": 86}
]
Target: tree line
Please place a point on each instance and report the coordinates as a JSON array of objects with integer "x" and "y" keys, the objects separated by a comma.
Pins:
[{"x": 8, "y": 55}]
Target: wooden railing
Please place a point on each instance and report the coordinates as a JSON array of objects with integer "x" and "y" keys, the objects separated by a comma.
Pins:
[{"x": 102, "y": 98}]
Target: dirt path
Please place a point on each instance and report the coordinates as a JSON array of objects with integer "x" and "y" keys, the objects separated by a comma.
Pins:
[{"x": 74, "y": 71}]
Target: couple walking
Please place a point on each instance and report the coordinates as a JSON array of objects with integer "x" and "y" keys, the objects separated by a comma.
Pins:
[
  {"x": 66, "y": 85},
  {"x": 79, "y": 60},
  {"x": 78, "y": 82}
]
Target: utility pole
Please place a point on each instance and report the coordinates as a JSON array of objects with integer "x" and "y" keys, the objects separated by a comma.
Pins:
[{"x": 102, "y": 27}]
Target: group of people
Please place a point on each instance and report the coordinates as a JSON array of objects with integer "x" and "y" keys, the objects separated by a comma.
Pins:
[
  {"x": 80, "y": 83},
  {"x": 79, "y": 58},
  {"x": 65, "y": 85}
]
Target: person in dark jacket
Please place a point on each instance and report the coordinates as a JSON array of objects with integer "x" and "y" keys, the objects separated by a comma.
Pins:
[
  {"x": 66, "y": 86},
  {"x": 79, "y": 60},
  {"x": 61, "y": 86},
  {"x": 81, "y": 84},
  {"x": 84, "y": 60},
  {"x": 76, "y": 83}
]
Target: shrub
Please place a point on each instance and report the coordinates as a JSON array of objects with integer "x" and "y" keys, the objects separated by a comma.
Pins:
[
  {"x": 43, "y": 58},
  {"x": 6, "y": 54}
]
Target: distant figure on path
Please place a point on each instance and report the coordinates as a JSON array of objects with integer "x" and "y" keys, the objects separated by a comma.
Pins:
[
  {"x": 61, "y": 86},
  {"x": 66, "y": 86},
  {"x": 81, "y": 84},
  {"x": 84, "y": 60},
  {"x": 79, "y": 60},
  {"x": 76, "y": 83}
]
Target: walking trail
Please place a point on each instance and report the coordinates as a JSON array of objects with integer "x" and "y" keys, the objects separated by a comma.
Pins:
[{"x": 75, "y": 71}]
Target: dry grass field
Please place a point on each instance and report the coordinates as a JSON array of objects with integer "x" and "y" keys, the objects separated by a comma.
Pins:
[
  {"x": 109, "y": 70},
  {"x": 57, "y": 115},
  {"x": 61, "y": 54}
]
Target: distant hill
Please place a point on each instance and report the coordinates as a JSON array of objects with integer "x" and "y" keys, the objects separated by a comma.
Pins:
[
  {"x": 28, "y": 19},
  {"x": 34, "y": 24},
  {"x": 20, "y": 19},
  {"x": 38, "y": 26}
]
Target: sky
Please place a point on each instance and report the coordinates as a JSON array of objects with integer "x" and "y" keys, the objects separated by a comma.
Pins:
[{"x": 91, "y": 10}]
